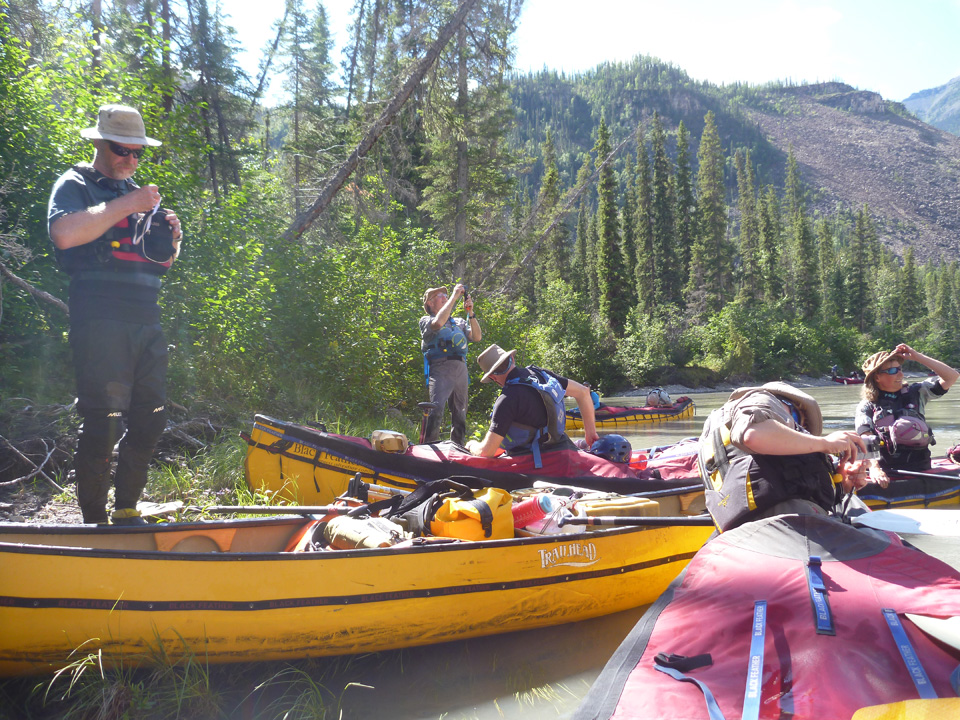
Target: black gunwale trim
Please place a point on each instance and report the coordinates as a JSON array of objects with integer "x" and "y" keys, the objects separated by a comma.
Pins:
[
  {"x": 162, "y": 555},
  {"x": 338, "y": 600}
]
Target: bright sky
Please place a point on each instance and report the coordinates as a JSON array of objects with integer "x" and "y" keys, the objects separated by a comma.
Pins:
[{"x": 894, "y": 47}]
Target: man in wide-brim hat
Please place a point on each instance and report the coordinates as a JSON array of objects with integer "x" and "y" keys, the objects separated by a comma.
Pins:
[
  {"x": 763, "y": 455},
  {"x": 530, "y": 411},
  {"x": 97, "y": 220},
  {"x": 894, "y": 411}
]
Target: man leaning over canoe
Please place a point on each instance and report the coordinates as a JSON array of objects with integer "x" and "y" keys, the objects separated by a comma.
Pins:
[
  {"x": 761, "y": 454},
  {"x": 530, "y": 410}
]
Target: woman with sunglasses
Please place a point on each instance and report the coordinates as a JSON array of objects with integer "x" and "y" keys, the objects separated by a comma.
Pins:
[{"x": 893, "y": 411}]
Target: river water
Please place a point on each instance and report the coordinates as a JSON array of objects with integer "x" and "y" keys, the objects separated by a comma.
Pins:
[{"x": 544, "y": 673}]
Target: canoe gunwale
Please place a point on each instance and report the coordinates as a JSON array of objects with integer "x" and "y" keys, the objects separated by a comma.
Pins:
[{"x": 283, "y": 556}]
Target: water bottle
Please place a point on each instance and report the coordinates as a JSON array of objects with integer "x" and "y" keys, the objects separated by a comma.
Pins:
[{"x": 532, "y": 509}]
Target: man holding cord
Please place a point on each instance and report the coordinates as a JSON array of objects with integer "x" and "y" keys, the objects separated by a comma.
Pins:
[{"x": 115, "y": 242}]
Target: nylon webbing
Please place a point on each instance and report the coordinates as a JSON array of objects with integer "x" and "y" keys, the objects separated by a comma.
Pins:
[
  {"x": 819, "y": 598},
  {"x": 909, "y": 655},
  {"x": 712, "y": 707},
  {"x": 751, "y": 698}
]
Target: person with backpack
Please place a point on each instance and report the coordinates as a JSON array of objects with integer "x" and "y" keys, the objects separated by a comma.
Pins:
[
  {"x": 529, "y": 411},
  {"x": 893, "y": 411},
  {"x": 443, "y": 341},
  {"x": 761, "y": 454},
  {"x": 115, "y": 242}
]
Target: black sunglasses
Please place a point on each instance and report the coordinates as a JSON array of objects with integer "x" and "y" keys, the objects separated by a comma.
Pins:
[
  {"x": 895, "y": 370},
  {"x": 123, "y": 152}
]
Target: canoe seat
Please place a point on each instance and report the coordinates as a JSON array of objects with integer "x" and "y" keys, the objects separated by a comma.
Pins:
[
  {"x": 300, "y": 540},
  {"x": 196, "y": 541}
]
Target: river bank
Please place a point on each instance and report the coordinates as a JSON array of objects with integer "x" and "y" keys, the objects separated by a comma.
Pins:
[{"x": 800, "y": 381}]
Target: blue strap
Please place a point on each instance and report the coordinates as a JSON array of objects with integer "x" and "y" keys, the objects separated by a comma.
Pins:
[
  {"x": 909, "y": 655},
  {"x": 819, "y": 598},
  {"x": 535, "y": 449},
  {"x": 426, "y": 370},
  {"x": 712, "y": 707},
  {"x": 751, "y": 698}
]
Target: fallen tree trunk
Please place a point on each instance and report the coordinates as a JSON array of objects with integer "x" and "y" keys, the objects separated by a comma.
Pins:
[{"x": 306, "y": 219}]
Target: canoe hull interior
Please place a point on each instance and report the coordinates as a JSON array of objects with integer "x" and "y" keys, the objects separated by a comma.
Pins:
[{"x": 83, "y": 592}]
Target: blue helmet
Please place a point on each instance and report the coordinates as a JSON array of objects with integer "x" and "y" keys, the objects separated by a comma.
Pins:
[{"x": 615, "y": 448}]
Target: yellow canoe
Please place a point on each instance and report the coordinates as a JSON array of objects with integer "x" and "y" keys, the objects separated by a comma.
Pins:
[
  {"x": 608, "y": 416},
  {"x": 309, "y": 466},
  {"x": 229, "y": 591}
]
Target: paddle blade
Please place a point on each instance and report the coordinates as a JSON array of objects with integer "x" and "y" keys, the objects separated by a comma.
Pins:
[
  {"x": 943, "y": 523},
  {"x": 946, "y": 630}
]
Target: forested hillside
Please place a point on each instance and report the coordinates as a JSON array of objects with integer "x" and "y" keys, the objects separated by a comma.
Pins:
[
  {"x": 852, "y": 147},
  {"x": 734, "y": 232}
]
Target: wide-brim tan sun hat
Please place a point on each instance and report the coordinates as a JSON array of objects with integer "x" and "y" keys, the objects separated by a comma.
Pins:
[
  {"x": 491, "y": 359},
  {"x": 428, "y": 295},
  {"x": 122, "y": 124},
  {"x": 876, "y": 361},
  {"x": 808, "y": 407}
]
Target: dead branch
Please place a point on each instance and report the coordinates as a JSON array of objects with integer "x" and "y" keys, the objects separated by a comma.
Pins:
[
  {"x": 27, "y": 287},
  {"x": 305, "y": 220},
  {"x": 38, "y": 469}
]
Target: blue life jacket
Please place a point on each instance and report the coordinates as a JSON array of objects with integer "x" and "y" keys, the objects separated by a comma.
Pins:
[
  {"x": 449, "y": 341},
  {"x": 522, "y": 437}
]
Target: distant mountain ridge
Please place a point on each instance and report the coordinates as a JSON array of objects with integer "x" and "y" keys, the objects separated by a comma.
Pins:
[
  {"x": 853, "y": 147},
  {"x": 939, "y": 106}
]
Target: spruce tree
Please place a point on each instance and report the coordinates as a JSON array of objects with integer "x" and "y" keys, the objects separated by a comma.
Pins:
[
  {"x": 771, "y": 246},
  {"x": 611, "y": 277},
  {"x": 580, "y": 280},
  {"x": 686, "y": 219},
  {"x": 858, "y": 295},
  {"x": 556, "y": 261},
  {"x": 807, "y": 275},
  {"x": 629, "y": 238},
  {"x": 710, "y": 262},
  {"x": 750, "y": 280},
  {"x": 910, "y": 306},
  {"x": 665, "y": 272},
  {"x": 831, "y": 277},
  {"x": 643, "y": 230}
]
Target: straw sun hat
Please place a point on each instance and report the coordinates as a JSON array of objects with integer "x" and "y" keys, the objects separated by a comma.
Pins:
[{"x": 120, "y": 123}]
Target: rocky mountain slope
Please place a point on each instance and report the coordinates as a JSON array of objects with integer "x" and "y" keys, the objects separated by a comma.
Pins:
[
  {"x": 939, "y": 106},
  {"x": 855, "y": 148}
]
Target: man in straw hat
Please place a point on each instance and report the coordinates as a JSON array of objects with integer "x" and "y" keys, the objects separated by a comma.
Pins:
[
  {"x": 115, "y": 243},
  {"x": 443, "y": 341},
  {"x": 893, "y": 411},
  {"x": 530, "y": 410},
  {"x": 761, "y": 454}
]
